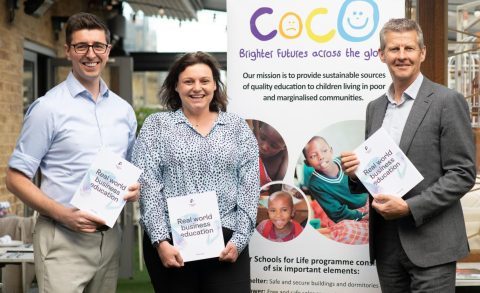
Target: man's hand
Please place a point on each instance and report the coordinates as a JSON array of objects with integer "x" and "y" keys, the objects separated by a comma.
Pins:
[
  {"x": 390, "y": 207},
  {"x": 76, "y": 220},
  {"x": 229, "y": 253},
  {"x": 133, "y": 192},
  {"x": 79, "y": 221},
  {"x": 169, "y": 255},
  {"x": 350, "y": 163}
]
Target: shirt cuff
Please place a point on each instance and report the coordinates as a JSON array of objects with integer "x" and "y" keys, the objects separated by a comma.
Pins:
[
  {"x": 24, "y": 163},
  {"x": 239, "y": 243}
]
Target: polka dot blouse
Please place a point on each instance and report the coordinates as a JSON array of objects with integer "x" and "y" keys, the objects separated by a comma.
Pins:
[{"x": 177, "y": 160}]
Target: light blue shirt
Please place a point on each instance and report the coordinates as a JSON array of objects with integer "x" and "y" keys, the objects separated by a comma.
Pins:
[
  {"x": 177, "y": 161},
  {"x": 63, "y": 131},
  {"x": 397, "y": 113}
]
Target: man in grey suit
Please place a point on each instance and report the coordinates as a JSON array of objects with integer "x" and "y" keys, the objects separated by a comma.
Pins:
[{"x": 416, "y": 240}]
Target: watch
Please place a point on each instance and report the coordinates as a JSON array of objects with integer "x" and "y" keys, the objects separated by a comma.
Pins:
[{"x": 157, "y": 243}]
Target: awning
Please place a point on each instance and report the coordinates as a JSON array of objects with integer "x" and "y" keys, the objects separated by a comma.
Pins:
[{"x": 179, "y": 9}]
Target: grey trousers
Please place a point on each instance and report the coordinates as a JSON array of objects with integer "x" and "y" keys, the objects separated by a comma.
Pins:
[
  {"x": 71, "y": 262},
  {"x": 398, "y": 274}
]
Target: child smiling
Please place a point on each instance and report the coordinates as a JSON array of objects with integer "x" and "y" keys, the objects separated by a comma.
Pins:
[
  {"x": 328, "y": 184},
  {"x": 280, "y": 226}
]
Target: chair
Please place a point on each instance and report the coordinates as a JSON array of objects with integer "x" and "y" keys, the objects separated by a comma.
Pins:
[
  {"x": 19, "y": 228},
  {"x": 471, "y": 210},
  {"x": 136, "y": 223}
]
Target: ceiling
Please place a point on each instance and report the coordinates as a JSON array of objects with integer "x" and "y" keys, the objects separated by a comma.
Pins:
[
  {"x": 187, "y": 10},
  {"x": 220, "y": 5},
  {"x": 179, "y": 9}
]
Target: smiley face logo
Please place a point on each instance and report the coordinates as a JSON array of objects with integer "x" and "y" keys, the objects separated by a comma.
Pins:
[
  {"x": 290, "y": 25},
  {"x": 358, "y": 20}
]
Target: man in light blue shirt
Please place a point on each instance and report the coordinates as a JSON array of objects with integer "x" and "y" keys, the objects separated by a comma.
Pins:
[{"x": 62, "y": 133}]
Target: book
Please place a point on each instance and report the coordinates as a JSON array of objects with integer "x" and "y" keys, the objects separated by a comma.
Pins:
[
  {"x": 105, "y": 184},
  {"x": 384, "y": 168},
  {"x": 196, "y": 225}
]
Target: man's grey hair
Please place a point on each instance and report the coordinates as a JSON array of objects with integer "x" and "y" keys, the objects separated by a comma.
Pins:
[{"x": 401, "y": 25}]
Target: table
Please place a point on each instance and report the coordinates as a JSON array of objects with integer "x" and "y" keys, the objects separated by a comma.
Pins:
[
  {"x": 465, "y": 281},
  {"x": 20, "y": 255}
]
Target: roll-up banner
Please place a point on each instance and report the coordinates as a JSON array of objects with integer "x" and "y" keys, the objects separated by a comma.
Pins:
[{"x": 302, "y": 73}]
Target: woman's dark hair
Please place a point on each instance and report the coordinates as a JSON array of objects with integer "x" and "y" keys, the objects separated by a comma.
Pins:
[{"x": 169, "y": 97}]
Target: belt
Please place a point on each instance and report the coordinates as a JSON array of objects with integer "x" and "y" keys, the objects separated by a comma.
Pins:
[{"x": 101, "y": 228}]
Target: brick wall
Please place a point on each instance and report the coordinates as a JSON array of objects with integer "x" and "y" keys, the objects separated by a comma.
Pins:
[{"x": 12, "y": 36}]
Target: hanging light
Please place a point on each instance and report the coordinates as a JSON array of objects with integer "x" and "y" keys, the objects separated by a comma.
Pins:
[{"x": 161, "y": 11}]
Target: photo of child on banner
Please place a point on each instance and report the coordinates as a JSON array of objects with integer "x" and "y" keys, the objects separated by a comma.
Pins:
[
  {"x": 282, "y": 212},
  {"x": 273, "y": 152},
  {"x": 337, "y": 213}
]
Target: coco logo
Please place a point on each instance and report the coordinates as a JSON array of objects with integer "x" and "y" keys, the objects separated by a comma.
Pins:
[{"x": 357, "y": 21}]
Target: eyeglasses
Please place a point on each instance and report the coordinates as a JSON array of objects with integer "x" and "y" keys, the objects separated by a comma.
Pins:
[{"x": 82, "y": 48}]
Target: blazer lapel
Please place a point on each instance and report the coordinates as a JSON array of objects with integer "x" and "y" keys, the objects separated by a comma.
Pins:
[
  {"x": 378, "y": 114},
  {"x": 417, "y": 114}
]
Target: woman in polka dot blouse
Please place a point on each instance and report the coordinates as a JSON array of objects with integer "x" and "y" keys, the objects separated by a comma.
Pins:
[{"x": 197, "y": 147}]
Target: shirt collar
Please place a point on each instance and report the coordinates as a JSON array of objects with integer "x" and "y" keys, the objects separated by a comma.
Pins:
[
  {"x": 179, "y": 117},
  {"x": 411, "y": 92},
  {"x": 76, "y": 89}
]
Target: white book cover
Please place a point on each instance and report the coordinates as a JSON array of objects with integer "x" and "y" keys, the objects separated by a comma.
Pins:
[
  {"x": 105, "y": 184},
  {"x": 384, "y": 168},
  {"x": 196, "y": 225}
]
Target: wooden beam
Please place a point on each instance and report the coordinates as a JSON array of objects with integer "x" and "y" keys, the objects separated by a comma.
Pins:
[{"x": 432, "y": 17}]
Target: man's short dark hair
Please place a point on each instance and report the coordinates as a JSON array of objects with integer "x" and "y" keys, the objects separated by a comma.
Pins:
[{"x": 88, "y": 21}]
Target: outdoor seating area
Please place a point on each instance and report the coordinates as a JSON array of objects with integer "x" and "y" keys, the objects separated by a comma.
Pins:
[{"x": 16, "y": 254}]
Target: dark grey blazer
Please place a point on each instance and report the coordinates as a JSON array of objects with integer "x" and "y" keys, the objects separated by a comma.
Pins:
[{"x": 438, "y": 139}]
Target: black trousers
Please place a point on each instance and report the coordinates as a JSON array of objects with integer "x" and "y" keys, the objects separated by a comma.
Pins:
[{"x": 202, "y": 276}]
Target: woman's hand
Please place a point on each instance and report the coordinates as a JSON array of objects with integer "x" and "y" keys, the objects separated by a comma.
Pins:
[
  {"x": 169, "y": 255},
  {"x": 229, "y": 253}
]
